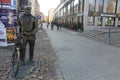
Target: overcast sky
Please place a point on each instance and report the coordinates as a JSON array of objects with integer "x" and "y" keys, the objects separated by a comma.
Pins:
[{"x": 45, "y": 5}]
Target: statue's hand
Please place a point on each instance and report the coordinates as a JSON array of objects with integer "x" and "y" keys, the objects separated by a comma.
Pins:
[{"x": 26, "y": 33}]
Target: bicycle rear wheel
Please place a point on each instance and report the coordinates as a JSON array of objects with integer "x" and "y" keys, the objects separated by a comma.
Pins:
[{"x": 15, "y": 63}]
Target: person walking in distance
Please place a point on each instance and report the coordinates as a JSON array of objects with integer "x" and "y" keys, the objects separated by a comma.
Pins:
[{"x": 28, "y": 26}]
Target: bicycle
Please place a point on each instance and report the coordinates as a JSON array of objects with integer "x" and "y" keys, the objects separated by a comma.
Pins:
[{"x": 15, "y": 59}]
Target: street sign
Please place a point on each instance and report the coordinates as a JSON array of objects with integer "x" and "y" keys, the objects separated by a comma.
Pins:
[{"x": 38, "y": 17}]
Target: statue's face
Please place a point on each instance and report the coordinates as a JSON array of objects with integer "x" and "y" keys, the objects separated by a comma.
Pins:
[{"x": 27, "y": 10}]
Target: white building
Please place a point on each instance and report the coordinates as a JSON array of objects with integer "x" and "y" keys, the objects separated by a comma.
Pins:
[{"x": 90, "y": 13}]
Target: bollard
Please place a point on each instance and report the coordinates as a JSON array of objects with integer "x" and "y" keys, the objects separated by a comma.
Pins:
[{"x": 109, "y": 36}]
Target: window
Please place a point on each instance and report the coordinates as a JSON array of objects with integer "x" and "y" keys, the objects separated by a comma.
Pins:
[
  {"x": 119, "y": 22},
  {"x": 90, "y": 12},
  {"x": 75, "y": 6},
  {"x": 75, "y": 2},
  {"x": 80, "y": 6},
  {"x": 91, "y": 7},
  {"x": 69, "y": 9},
  {"x": 90, "y": 21},
  {"x": 72, "y": 7},
  {"x": 109, "y": 21},
  {"x": 100, "y": 6},
  {"x": 111, "y": 6},
  {"x": 64, "y": 11},
  {"x": 99, "y": 21}
]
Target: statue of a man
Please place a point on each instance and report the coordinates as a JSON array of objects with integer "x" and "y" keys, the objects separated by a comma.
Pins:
[{"x": 28, "y": 26}]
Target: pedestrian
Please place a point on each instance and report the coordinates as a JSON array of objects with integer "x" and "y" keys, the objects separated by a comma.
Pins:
[
  {"x": 28, "y": 26},
  {"x": 52, "y": 25},
  {"x": 47, "y": 25},
  {"x": 57, "y": 26}
]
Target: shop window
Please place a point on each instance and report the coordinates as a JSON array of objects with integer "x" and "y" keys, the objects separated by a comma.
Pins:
[
  {"x": 118, "y": 22},
  {"x": 109, "y": 21},
  {"x": 90, "y": 21},
  {"x": 99, "y": 21}
]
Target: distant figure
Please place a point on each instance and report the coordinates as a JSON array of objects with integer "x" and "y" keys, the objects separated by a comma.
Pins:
[
  {"x": 52, "y": 25},
  {"x": 48, "y": 24}
]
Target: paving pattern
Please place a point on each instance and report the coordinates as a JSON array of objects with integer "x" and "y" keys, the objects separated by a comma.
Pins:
[
  {"x": 46, "y": 67},
  {"x": 102, "y": 35}
]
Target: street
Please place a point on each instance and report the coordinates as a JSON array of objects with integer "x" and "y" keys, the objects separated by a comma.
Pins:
[
  {"x": 65, "y": 55},
  {"x": 81, "y": 58}
]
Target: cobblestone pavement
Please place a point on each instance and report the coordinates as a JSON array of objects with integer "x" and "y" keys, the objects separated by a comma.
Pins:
[
  {"x": 102, "y": 35},
  {"x": 46, "y": 68}
]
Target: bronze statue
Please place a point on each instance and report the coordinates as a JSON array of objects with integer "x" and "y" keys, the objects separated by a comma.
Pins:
[{"x": 28, "y": 26}]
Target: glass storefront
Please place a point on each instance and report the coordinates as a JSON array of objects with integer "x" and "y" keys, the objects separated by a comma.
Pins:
[
  {"x": 90, "y": 21},
  {"x": 99, "y": 21},
  {"x": 109, "y": 21}
]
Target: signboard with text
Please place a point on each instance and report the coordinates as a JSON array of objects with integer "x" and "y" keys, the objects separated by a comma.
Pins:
[{"x": 5, "y": 2}]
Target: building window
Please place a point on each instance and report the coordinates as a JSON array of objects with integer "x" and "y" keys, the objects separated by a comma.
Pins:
[
  {"x": 91, "y": 7},
  {"x": 119, "y": 22},
  {"x": 109, "y": 21},
  {"x": 64, "y": 11},
  {"x": 90, "y": 12},
  {"x": 90, "y": 21},
  {"x": 111, "y": 6},
  {"x": 75, "y": 6},
  {"x": 80, "y": 6},
  {"x": 99, "y": 21},
  {"x": 100, "y": 6},
  {"x": 69, "y": 9},
  {"x": 72, "y": 7}
]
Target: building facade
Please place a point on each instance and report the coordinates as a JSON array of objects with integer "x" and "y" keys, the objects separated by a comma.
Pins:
[
  {"x": 35, "y": 7},
  {"x": 89, "y": 14},
  {"x": 50, "y": 15}
]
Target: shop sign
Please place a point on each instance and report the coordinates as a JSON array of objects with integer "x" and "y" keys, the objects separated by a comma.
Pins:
[{"x": 108, "y": 15}]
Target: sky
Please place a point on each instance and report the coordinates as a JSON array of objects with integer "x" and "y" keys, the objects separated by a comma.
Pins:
[{"x": 45, "y": 5}]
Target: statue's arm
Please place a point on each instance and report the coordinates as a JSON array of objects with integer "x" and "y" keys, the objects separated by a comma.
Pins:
[{"x": 35, "y": 26}]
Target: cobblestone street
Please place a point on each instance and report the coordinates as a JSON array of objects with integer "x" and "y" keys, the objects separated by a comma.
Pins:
[{"x": 46, "y": 59}]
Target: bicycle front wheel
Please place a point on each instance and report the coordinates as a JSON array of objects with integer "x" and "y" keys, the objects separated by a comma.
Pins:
[{"x": 15, "y": 63}]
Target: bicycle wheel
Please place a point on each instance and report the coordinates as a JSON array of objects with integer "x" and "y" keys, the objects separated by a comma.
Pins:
[{"x": 15, "y": 62}]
